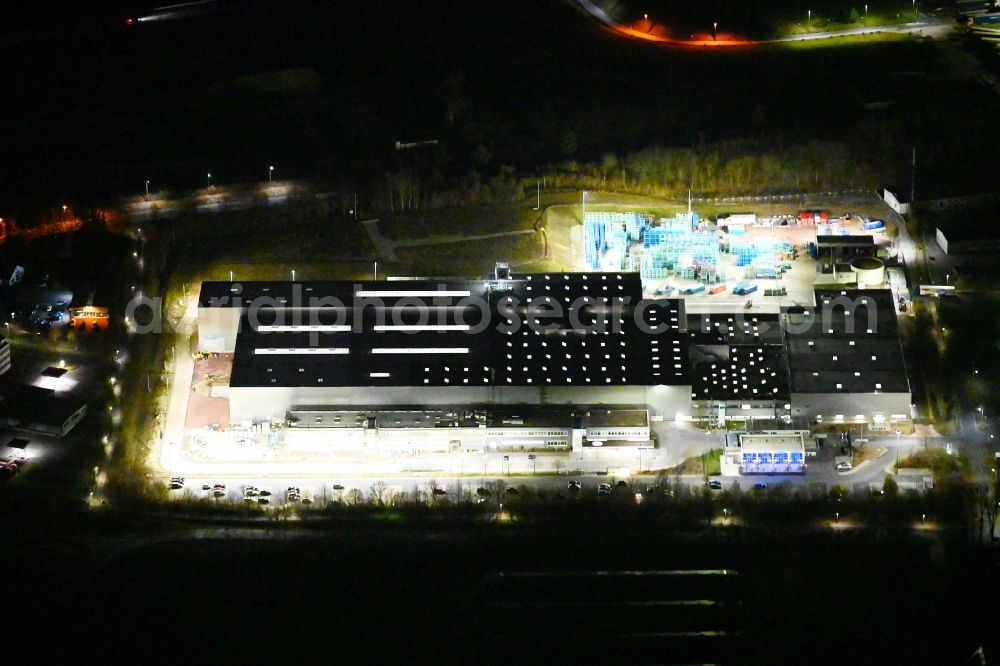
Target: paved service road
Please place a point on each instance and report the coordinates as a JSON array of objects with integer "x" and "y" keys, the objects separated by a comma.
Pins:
[{"x": 820, "y": 473}]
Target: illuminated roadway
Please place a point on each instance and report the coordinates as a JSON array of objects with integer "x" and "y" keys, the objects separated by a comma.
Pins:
[
  {"x": 923, "y": 26},
  {"x": 820, "y": 474}
]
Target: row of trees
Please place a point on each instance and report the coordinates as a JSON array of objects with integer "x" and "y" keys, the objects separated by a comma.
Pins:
[
  {"x": 744, "y": 167},
  {"x": 735, "y": 168}
]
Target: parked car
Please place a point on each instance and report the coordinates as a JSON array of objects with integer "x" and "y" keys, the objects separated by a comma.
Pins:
[
  {"x": 604, "y": 489},
  {"x": 337, "y": 486},
  {"x": 715, "y": 484},
  {"x": 760, "y": 485},
  {"x": 573, "y": 485},
  {"x": 440, "y": 491}
]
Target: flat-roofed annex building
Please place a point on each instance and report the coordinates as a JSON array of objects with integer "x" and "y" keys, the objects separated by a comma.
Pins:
[
  {"x": 765, "y": 452},
  {"x": 540, "y": 339}
]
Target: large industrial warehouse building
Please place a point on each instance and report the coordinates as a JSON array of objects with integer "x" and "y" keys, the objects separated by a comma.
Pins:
[
  {"x": 492, "y": 358},
  {"x": 463, "y": 345}
]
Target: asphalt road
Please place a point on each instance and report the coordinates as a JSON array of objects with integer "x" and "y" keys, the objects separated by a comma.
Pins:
[{"x": 819, "y": 474}]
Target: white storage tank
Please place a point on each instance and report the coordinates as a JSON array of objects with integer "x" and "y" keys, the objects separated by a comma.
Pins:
[{"x": 869, "y": 270}]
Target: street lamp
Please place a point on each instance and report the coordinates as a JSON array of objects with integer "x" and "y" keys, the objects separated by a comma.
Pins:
[
  {"x": 293, "y": 275},
  {"x": 209, "y": 180},
  {"x": 715, "y": 29},
  {"x": 809, "y": 17},
  {"x": 866, "y": 11},
  {"x": 147, "y": 188},
  {"x": 270, "y": 173}
]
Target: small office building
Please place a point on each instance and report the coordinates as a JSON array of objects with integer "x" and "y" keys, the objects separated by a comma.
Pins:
[
  {"x": 766, "y": 452},
  {"x": 39, "y": 410}
]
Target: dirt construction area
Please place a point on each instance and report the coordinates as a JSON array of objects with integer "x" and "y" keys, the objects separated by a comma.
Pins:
[{"x": 208, "y": 403}]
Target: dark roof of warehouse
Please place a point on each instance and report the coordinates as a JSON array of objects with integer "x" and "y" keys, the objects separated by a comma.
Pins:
[
  {"x": 739, "y": 372},
  {"x": 563, "y": 329},
  {"x": 734, "y": 328},
  {"x": 32, "y": 404},
  {"x": 848, "y": 343},
  {"x": 969, "y": 223},
  {"x": 845, "y": 241}
]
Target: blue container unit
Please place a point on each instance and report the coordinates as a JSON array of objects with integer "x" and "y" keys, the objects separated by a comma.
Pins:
[
  {"x": 744, "y": 288},
  {"x": 874, "y": 225},
  {"x": 594, "y": 244},
  {"x": 657, "y": 236}
]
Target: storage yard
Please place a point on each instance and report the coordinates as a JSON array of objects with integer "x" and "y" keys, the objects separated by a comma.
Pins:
[{"x": 735, "y": 262}]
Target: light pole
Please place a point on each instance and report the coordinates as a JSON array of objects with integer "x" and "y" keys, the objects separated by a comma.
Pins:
[
  {"x": 915, "y": 14},
  {"x": 270, "y": 173},
  {"x": 715, "y": 30},
  {"x": 866, "y": 11},
  {"x": 293, "y": 275},
  {"x": 147, "y": 188},
  {"x": 209, "y": 180},
  {"x": 809, "y": 17}
]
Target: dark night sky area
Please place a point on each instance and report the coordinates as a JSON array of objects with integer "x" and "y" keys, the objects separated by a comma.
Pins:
[{"x": 92, "y": 107}]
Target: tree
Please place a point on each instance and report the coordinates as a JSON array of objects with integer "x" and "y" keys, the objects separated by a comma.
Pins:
[
  {"x": 985, "y": 509},
  {"x": 568, "y": 144},
  {"x": 378, "y": 493},
  {"x": 854, "y": 15},
  {"x": 890, "y": 487},
  {"x": 354, "y": 497}
]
